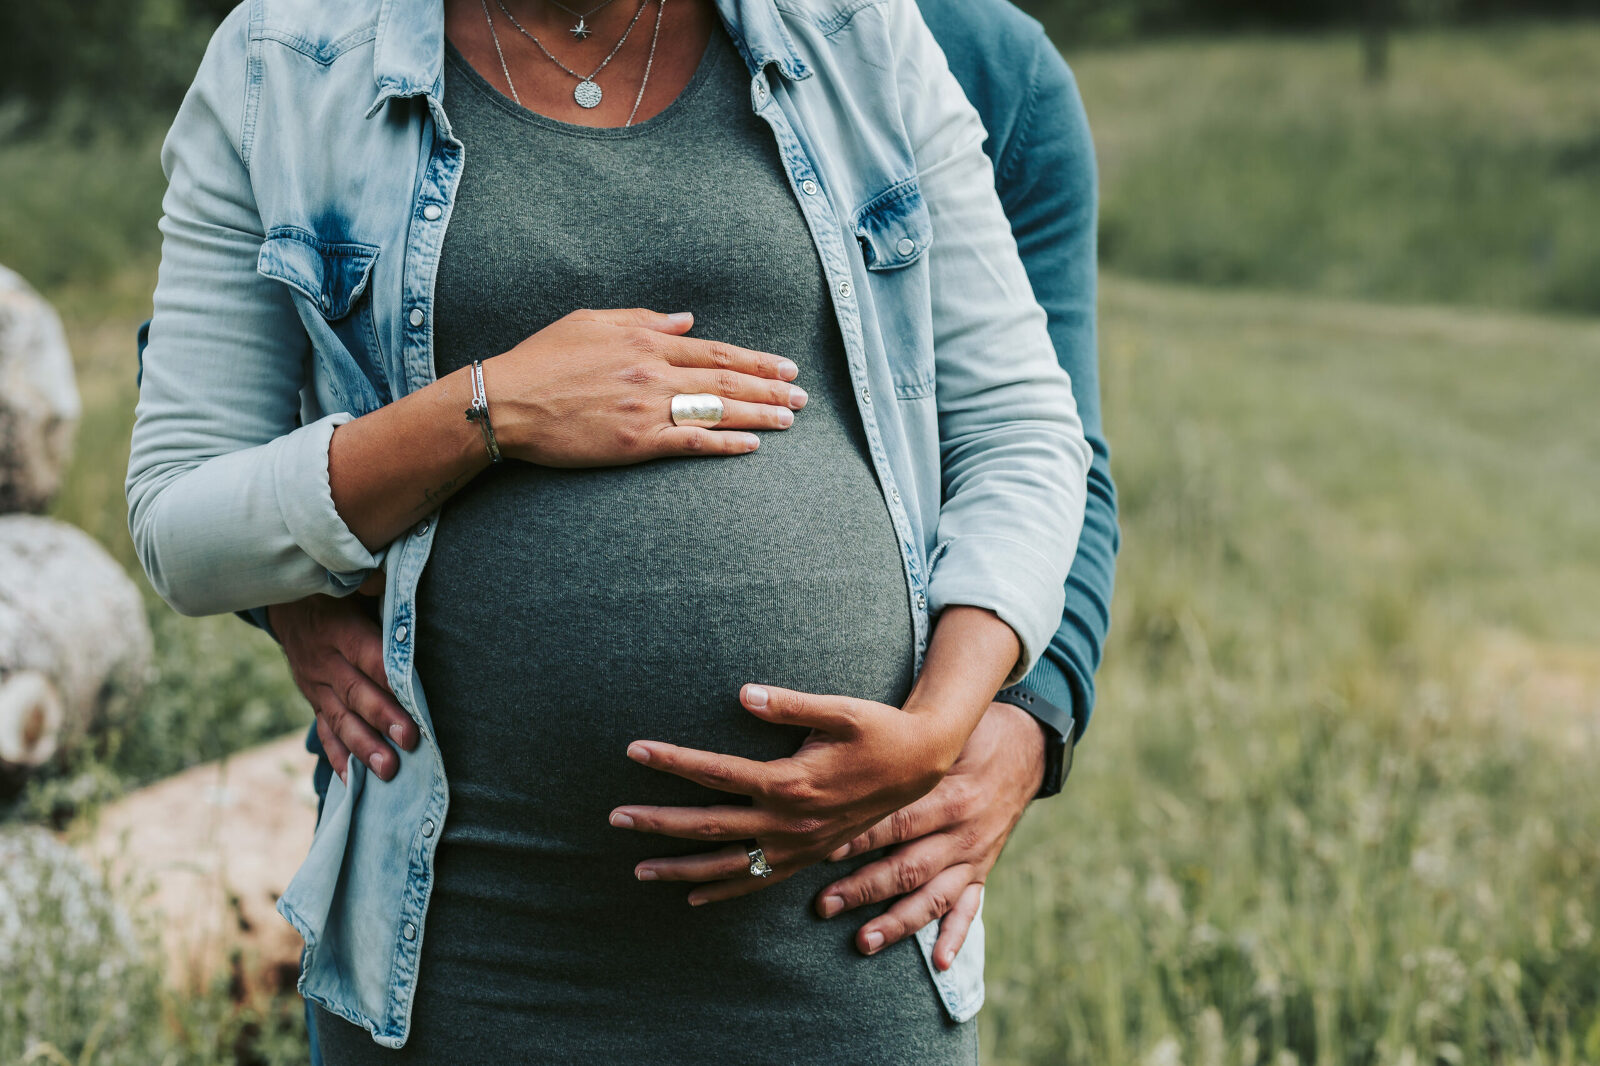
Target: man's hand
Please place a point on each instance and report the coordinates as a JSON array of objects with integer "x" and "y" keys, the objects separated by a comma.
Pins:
[
  {"x": 335, "y": 653},
  {"x": 948, "y": 840}
]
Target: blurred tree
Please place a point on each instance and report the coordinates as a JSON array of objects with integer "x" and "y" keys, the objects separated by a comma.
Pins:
[
  {"x": 1078, "y": 22},
  {"x": 108, "y": 63},
  {"x": 1377, "y": 18},
  {"x": 126, "y": 63}
]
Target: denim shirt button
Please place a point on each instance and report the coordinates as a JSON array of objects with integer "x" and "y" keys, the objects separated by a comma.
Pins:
[
  {"x": 922, "y": 601},
  {"x": 894, "y": 494},
  {"x": 866, "y": 395},
  {"x": 416, "y": 318},
  {"x": 432, "y": 212},
  {"x": 906, "y": 246},
  {"x": 845, "y": 290},
  {"x": 808, "y": 187},
  {"x": 427, "y": 827},
  {"x": 410, "y": 931},
  {"x": 400, "y": 634},
  {"x": 422, "y": 527}
]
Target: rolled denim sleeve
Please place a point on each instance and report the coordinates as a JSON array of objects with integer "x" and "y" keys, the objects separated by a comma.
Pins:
[
  {"x": 1013, "y": 456},
  {"x": 228, "y": 500}
]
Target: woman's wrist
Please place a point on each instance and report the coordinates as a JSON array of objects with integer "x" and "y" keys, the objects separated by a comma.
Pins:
[
  {"x": 971, "y": 653},
  {"x": 459, "y": 435},
  {"x": 388, "y": 468}
]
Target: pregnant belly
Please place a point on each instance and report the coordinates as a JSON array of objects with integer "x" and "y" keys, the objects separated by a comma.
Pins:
[{"x": 564, "y": 614}]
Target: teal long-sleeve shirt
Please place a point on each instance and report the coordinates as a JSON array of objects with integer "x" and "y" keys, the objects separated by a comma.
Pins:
[{"x": 1045, "y": 172}]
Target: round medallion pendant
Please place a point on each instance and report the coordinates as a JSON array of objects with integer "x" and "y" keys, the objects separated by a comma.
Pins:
[{"x": 587, "y": 94}]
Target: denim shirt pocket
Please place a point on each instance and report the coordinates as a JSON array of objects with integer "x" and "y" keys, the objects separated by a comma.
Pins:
[
  {"x": 330, "y": 282},
  {"x": 894, "y": 230}
]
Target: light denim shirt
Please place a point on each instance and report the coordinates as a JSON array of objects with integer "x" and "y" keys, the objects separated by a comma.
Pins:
[{"x": 312, "y": 173}]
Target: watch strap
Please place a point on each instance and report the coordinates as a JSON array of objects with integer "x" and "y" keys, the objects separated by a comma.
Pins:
[{"x": 1058, "y": 730}]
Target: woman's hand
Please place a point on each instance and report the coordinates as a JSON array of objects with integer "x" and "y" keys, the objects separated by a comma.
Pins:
[
  {"x": 862, "y": 761},
  {"x": 594, "y": 388}
]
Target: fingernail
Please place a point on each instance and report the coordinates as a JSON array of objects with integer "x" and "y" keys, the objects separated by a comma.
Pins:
[
  {"x": 755, "y": 696},
  {"x": 942, "y": 960},
  {"x": 344, "y": 775},
  {"x": 638, "y": 753},
  {"x": 797, "y": 397},
  {"x": 787, "y": 370},
  {"x": 785, "y": 418},
  {"x": 874, "y": 942},
  {"x": 397, "y": 733},
  {"x": 695, "y": 901},
  {"x": 831, "y": 905},
  {"x": 840, "y": 852},
  {"x": 751, "y": 442},
  {"x": 681, "y": 318},
  {"x": 644, "y": 873},
  {"x": 620, "y": 820},
  {"x": 379, "y": 763}
]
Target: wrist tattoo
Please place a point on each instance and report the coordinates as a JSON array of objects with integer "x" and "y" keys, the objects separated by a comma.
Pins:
[{"x": 434, "y": 497}]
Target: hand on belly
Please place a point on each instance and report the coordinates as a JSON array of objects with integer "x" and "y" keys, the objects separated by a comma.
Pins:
[{"x": 861, "y": 761}]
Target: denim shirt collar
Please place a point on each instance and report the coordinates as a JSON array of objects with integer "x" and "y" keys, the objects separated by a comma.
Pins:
[{"x": 408, "y": 55}]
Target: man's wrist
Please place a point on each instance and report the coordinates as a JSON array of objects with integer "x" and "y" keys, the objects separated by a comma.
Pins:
[
  {"x": 269, "y": 618},
  {"x": 1056, "y": 725}
]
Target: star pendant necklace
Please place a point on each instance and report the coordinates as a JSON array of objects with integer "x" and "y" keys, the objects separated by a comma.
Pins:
[
  {"x": 587, "y": 92},
  {"x": 581, "y": 30}
]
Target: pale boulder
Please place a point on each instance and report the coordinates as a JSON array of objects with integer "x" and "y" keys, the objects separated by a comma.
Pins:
[
  {"x": 39, "y": 405},
  {"x": 75, "y": 645},
  {"x": 206, "y": 854}
]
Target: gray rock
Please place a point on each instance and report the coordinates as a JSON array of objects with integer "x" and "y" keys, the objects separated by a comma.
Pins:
[
  {"x": 39, "y": 406},
  {"x": 75, "y": 645}
]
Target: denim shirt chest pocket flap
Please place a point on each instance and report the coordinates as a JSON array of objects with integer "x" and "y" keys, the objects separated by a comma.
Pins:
[
  {"x": 330, "y": 279},
  {"x": 895, "y": 231}
]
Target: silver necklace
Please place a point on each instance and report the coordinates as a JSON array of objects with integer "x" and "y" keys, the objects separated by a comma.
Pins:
[
  {"x": 587, "y": 93},
  {"x": 582, "y": 31},
  {"x": 648, "y": 63}
]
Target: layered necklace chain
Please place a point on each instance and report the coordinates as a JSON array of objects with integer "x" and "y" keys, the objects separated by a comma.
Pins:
[{"x": 587, "y": 92}]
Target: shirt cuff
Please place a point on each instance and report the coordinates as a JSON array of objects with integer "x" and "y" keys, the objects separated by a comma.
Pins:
[
  {"x": 993, "y": 573},
  {"x": 258, "y": 617},
  {"x": 305, "y": 499}
]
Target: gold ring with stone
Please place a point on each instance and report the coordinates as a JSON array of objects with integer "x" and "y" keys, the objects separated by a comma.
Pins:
[{"x": 696, "y": 409}]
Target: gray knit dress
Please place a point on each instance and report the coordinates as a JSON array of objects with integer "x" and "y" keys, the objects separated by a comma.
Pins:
[{"x": 565, "y": 613}]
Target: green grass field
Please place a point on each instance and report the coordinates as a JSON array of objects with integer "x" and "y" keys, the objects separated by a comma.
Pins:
[
  {"x": 1338, "y": 803},
  {"x": 1470, "y": 176}
]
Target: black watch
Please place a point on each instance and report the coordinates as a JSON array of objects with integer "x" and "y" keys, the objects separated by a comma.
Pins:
[{"x": 1058, "y": 731}]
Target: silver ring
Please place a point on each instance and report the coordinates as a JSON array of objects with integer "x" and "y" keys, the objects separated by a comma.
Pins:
[
  {"x": 759, "y": 867},
  {"x": 696, "y": 409}
]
